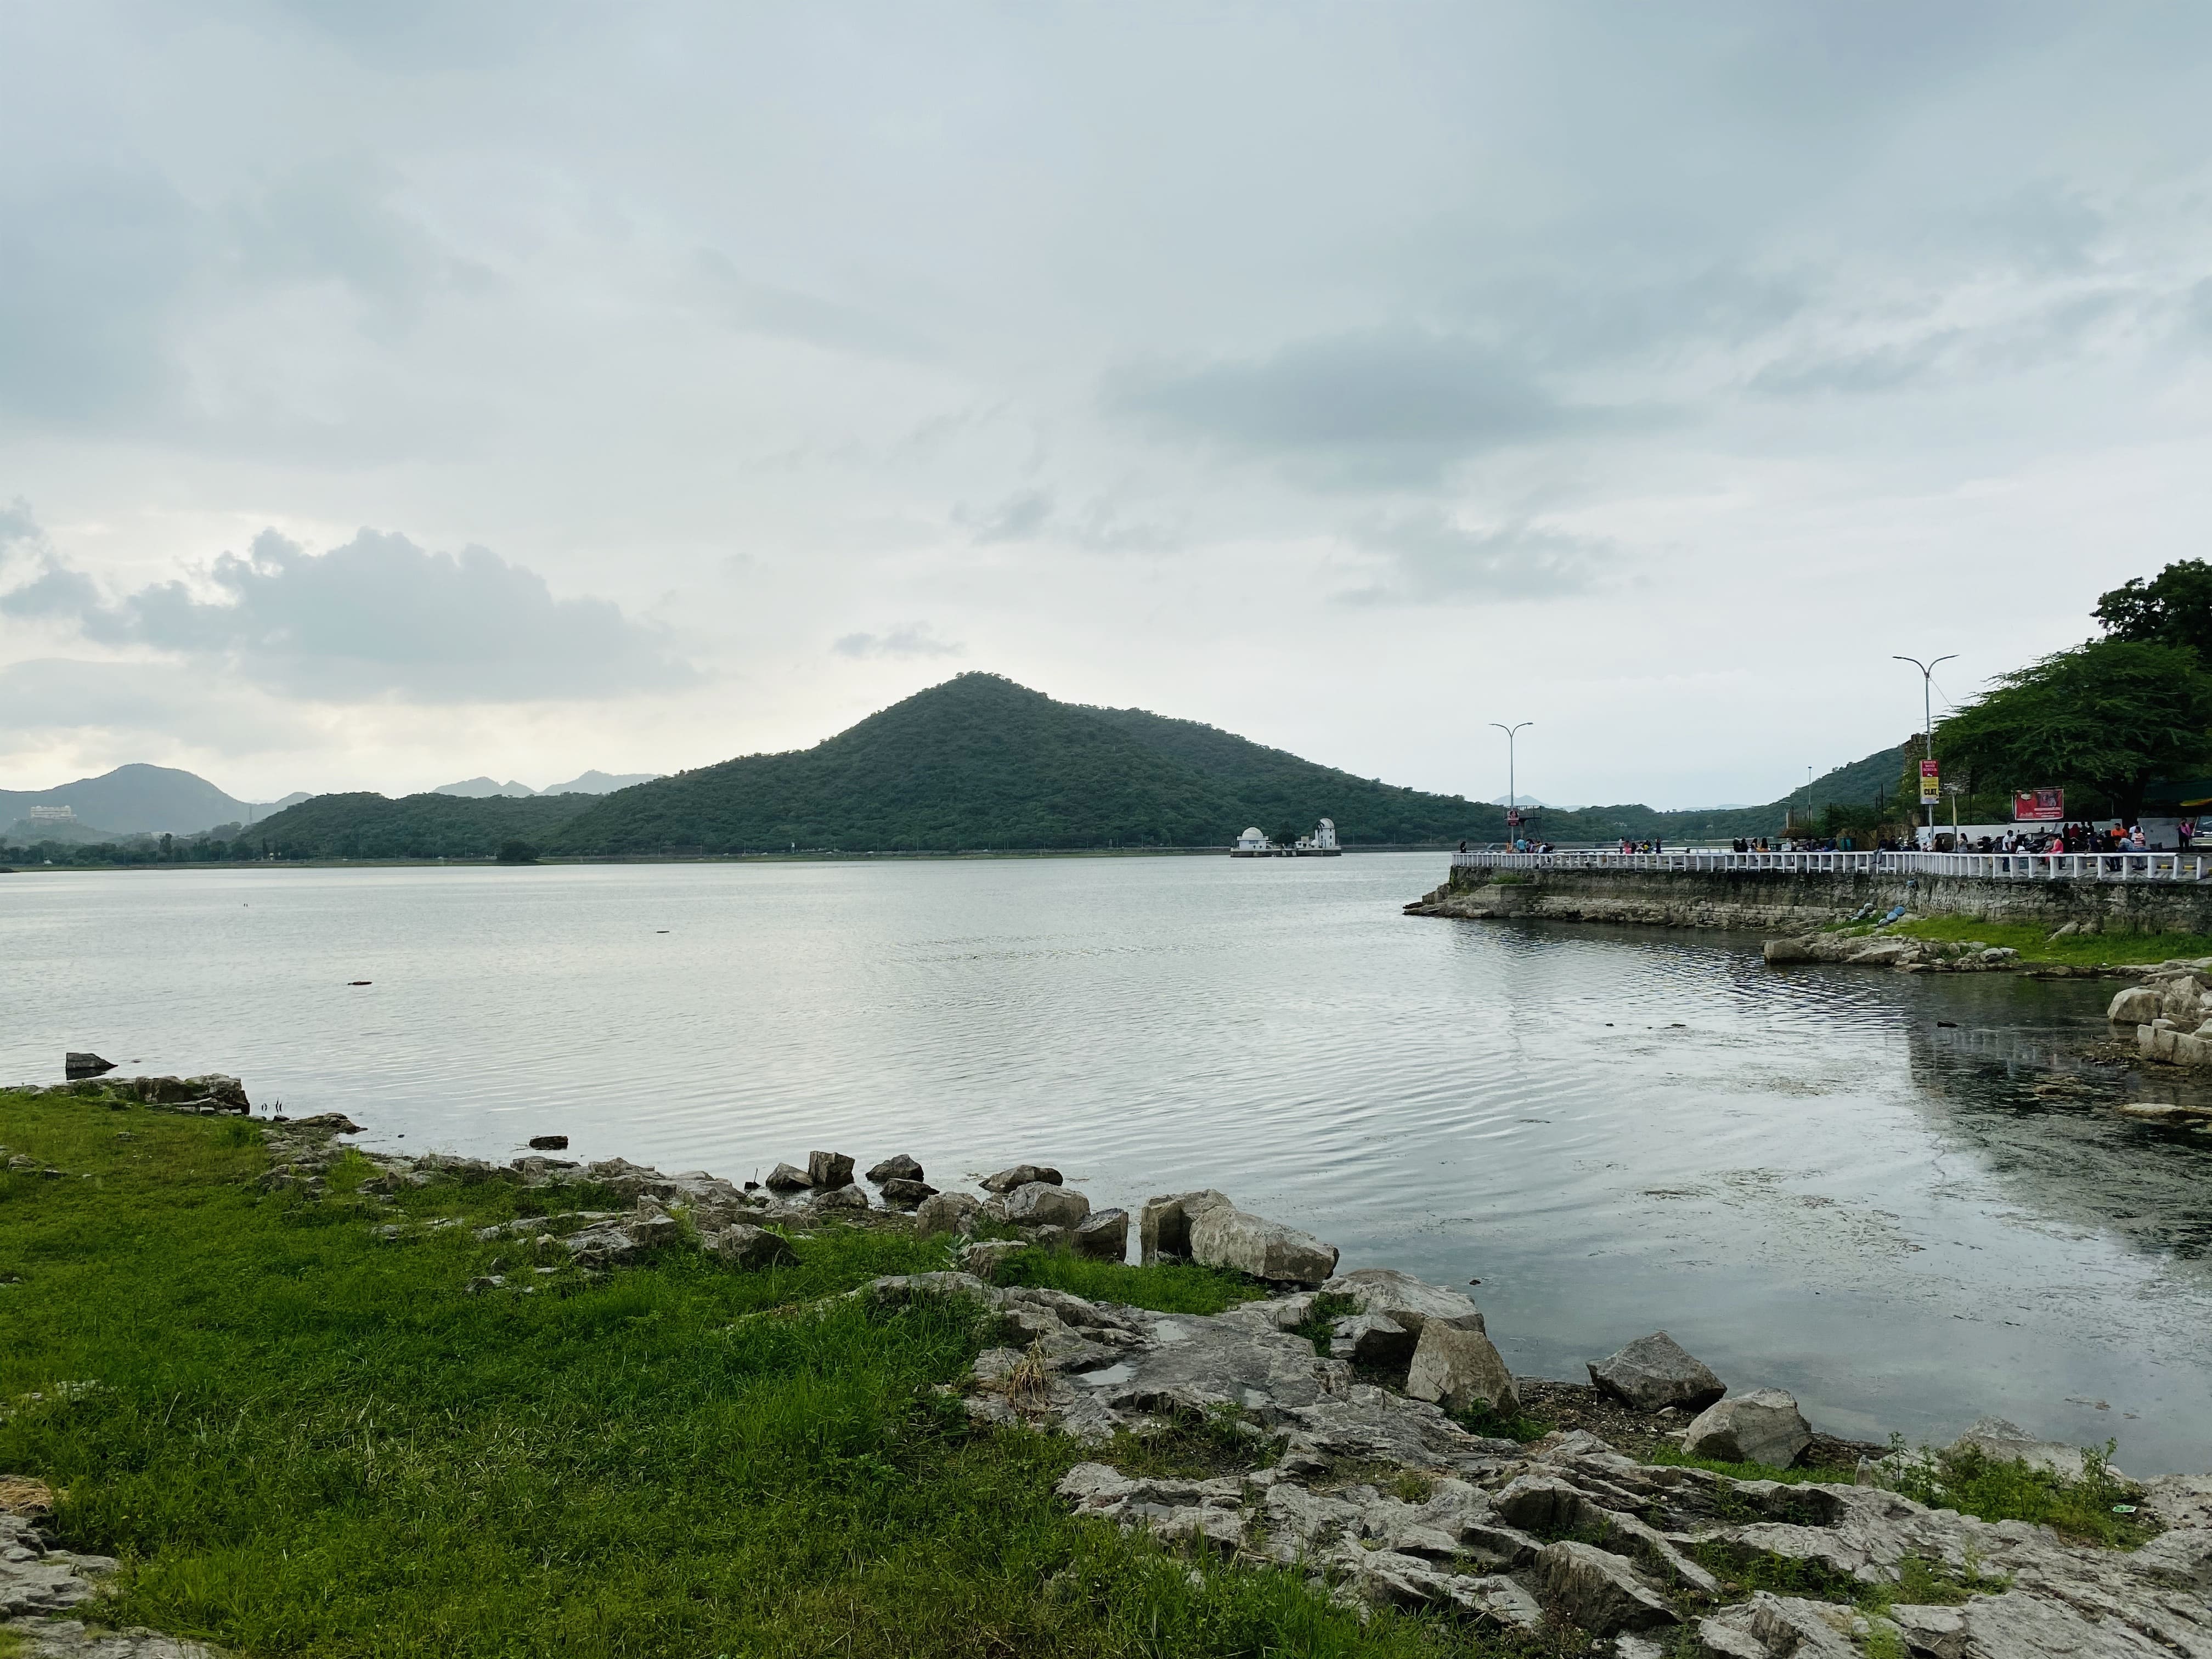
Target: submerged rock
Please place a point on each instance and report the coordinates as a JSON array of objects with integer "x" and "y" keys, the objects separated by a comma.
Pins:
[
  {"x": 826, "y": 1171},
  {"x": 899, "y": 1167},
  {"x": 1020, "y": 1175},
  {"x": 1655, "y": 1371},
  {"x": 84, "y": 1065},
  {"x": 907, "y": 1193}
]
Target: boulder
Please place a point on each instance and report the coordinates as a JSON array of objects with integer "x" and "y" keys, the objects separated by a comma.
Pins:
[
  {"x": 847, "y": 1197},
  {"x": 1409, "y": 1302},
  {"x": 1042, "y": 1204},
  {"x": 786, "y": 1178},
  {"x": 1789, "y": 950},
  {"x": 828, "y": 1171},
  {"x": 2138, "y": 1005},
  {"x": 898, "y": 1167},
  {"x": 1372, "y": 1339},
  {"x": 1051, "y": 1236},
  {"x": 85, "y": 1064},
  {"x": 2008, "y": 1443},
  {"x": 1021, "y": 1175},
  {"x": 1104, "y": 1234},
  {"x": 1224, "y": 1237},
  {"x": 1598, "y": 1591},
  {"x": 984, "y": 1258},
  {"x": 742, "y": 1246},
  {"x": 1459, "y": 1368},
  {"x": 1763, "y": 1426},
  {"x": 1655, "y": 1372},
  {"x": 1164, "y": 1223},
  {"x": 944, "y": 1212},
  {"x": 907, "y": 1194},
  {"x": 549, "y": 1143}
]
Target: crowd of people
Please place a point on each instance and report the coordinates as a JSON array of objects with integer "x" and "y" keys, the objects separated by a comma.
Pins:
[{"x": 2077, "y": 837}]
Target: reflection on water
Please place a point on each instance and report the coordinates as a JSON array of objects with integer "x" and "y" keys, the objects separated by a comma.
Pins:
[{"x": 1801, "y": 1174}]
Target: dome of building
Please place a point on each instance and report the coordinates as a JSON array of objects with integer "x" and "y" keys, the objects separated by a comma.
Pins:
[{"x": 1254, "y": 834}]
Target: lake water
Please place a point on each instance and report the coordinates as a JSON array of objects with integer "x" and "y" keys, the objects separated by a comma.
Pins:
[{"x": 1801, "y": 1175}]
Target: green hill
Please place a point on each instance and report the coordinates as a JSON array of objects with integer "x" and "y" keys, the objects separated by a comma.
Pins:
[
  {"x": 981, "y": 764},
  {"x": 372, "y": 826}
]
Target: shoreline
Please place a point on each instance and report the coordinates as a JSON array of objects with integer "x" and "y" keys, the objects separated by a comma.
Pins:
[{"x": 1321, "y": 1449}]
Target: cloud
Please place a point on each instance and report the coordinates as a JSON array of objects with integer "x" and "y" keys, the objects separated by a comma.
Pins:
[
  {"x": 909, "y": 640},
  {"x": 1017, "y": 518},
  {"x": 756, "y": 307},
  {"x": 379, "y": 616},
  {"x": 143, "y": 703},
  {"x": 1430, "y": 556},
  {"x": 1379, "y": 406}
]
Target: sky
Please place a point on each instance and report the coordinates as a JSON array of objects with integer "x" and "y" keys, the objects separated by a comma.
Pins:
[{"x": 393, "y": 393}]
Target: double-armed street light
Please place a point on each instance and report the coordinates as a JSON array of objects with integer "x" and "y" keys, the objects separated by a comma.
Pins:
[
  {"x": 1512, "y": 793},
  {"x": 1928, "y": 714}
]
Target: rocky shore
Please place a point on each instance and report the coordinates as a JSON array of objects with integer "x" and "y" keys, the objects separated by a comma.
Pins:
[{"x": 1369, "y": 1424}]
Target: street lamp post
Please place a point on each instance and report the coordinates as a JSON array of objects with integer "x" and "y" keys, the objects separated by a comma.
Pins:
[
  {"x": 1512, "y": 790},
  {"x": 1928, "y": 714}
]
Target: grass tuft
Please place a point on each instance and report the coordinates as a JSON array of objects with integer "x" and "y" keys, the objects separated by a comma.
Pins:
[{"x": 2034, "y": 944}]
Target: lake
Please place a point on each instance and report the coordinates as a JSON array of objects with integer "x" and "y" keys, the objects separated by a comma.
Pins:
[{"x": 1801, "y": 1174}]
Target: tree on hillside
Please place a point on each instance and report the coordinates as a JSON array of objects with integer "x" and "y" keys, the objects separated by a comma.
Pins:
[
  {"x": 2106, "y": 718},
  {"x": 2172, "y": 608}
]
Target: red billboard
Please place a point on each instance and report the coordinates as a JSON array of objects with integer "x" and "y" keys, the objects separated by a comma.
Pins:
[{"x": 2039, "y": 806}]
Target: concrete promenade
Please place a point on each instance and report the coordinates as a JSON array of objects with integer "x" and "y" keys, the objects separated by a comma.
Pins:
[{"x": 1968, "y": 866}]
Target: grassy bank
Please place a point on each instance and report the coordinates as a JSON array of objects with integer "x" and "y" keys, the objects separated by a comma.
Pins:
[
  {"x": 2034, "y": 944},
  {"x": 301, "y": 1439}
]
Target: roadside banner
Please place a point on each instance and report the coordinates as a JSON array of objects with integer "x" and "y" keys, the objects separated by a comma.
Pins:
[
  {"x": 2039, "y": 806},
  {"x": 1931, "y": 784}
]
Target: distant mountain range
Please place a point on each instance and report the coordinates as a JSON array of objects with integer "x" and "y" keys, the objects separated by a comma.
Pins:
[
  {"x": 592, "y": 783},
  {"x": 140, "y": 799},
  {"x": 981, "y": 764}
]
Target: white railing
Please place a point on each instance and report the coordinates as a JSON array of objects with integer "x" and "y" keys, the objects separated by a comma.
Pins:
[{"x": 1978, "y": 866}]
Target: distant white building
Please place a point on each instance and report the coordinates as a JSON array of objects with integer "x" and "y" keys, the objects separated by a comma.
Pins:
[
  {"x": 53, "y": 815},
  {"x": 1254, "y": 841},
  {"x": 1324, "y": 836}
]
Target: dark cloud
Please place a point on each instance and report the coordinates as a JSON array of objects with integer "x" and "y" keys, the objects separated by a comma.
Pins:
[
  {"x": 1430, "y": 557},
  {"x": 909, "y": 640},
  {"x": 1382, "y": 406},
  {"x": 378, "y": 616}
]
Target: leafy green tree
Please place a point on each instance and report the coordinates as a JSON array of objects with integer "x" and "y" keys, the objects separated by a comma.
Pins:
[
  {"x": 2172, "y": 608},
  {"x": 2105, "y": 718},
  {"x": 517, "y": 851}
]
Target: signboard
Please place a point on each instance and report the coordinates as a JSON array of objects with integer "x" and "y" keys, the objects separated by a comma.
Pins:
[
  {"x": 1931, "y": 784},
  {"x": 2039, "y": 806}
]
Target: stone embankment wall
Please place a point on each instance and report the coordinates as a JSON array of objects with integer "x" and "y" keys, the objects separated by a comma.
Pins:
[{"x": 1784, "y": 901}]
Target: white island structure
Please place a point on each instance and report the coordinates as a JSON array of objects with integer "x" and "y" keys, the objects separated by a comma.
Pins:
[{"x": 1321, "y": 844}]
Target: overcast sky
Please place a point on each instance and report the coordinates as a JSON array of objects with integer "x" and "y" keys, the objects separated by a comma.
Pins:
[{"x": 392, "y": 392}]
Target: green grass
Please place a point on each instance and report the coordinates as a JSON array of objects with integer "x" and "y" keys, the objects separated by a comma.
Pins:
[
  {"x": 1973, "y": 1483},
  {"x": 301, "y": 1440},
  {"x": 2031, "y": 940},
  {"x": 1179, "y": 1288}
]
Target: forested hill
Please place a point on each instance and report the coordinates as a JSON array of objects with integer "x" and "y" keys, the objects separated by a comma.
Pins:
[
  {"x": 981, "y": 763},
  {"x": 373, "y": 826}
]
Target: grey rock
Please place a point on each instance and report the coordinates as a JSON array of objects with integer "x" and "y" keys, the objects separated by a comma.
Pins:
[
  {"x": 1770, "y": 1627},
  {"x": 984, "y": 1258},
  {"x": 1104, "y": 1234},
  {"x": 1598, "y": 1591},
  {"x": 65, "y": 1638},
  {"x": 1224, "y": 1237},
  {"x": 785, "y": 1178},
  {"x": 1020, "y": 1175},
  {"x": 75, "y": 1064},
  {"x": 1459, "y": 1368},
  {"x": 1163, "y": 1223},
  {"x": 827, "y": 1171},
  {"x": 748, "y": 1247},
  {"x": 907, "y": 1193},
  {"x": 2008, "y": 1443},
  {"x": 2138, "y": 1005},
  {"x": 944, "y": 1212},
  {"x": 1410, "y": 1301},
  {"x": 1372, "y": 1339},
  {"x": 847, "y": 1197},
  {"x": 1040, "y": 1204},
  {"x": 549, "y": 1143},
  {"x": 1655, "y": 1370},
  {"x": 34, "y": 1579},
  {"x": 1051, "y": 1236},
  {"x": 899, "y": 1167},
  {"x": 1763, "y": 1426}
]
